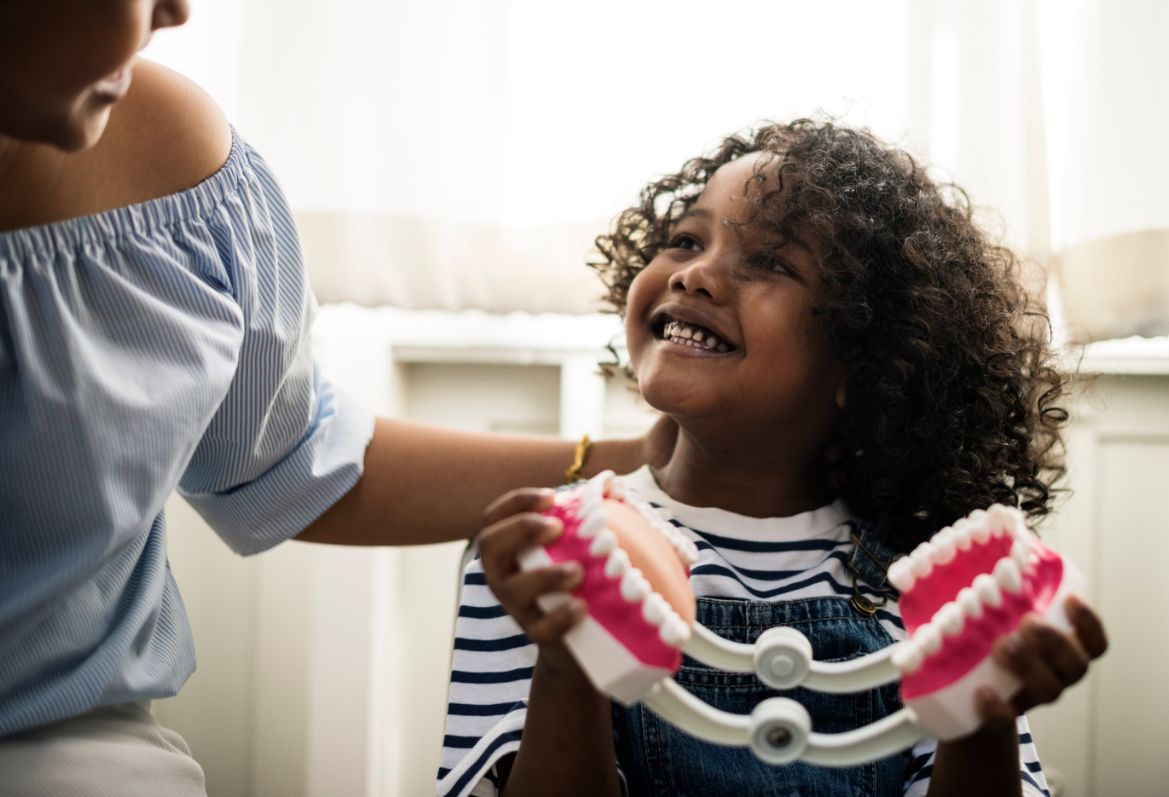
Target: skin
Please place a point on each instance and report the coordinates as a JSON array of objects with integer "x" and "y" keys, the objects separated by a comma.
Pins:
[
  {"x": 67, "y": 149},
  {"x": 754, "y": 423},
  {"x": 56, "y": 87}
]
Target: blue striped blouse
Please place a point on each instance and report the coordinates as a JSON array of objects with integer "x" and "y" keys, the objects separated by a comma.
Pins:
[{"x": 146, "y": 348}]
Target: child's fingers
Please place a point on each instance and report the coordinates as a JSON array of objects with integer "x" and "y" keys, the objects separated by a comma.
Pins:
[
  {"x": 527, "y": 499},
  {"x": 996, "y": 713},
  {"x": 1089, "y": 629},
  {"x": 501, "y": 543},
  {"x": 521, "y": 590},
  {"x": 1021, "y": 654},
  {"x": 1061, "y": 652},
  {"x": 552, "y": 627}
]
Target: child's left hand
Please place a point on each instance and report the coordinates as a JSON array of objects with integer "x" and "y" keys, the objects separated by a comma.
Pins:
[{"x": 1045, "y": 659}]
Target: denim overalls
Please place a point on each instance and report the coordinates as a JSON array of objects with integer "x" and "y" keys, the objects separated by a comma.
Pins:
[{"x": 660, "y": 760}]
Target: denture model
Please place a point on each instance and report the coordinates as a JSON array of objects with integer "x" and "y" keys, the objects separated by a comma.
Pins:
[
  {"x": 971, "y": 584},
  {"x": 636, "y": 586}
]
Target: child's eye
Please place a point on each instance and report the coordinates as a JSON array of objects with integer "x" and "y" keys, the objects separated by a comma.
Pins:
[
  {"x": 764, "y": 261},
  {"x": 685, "y": 241}
]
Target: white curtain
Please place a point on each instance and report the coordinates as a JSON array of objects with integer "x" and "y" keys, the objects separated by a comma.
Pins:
[{"x": 464, "y": 153}]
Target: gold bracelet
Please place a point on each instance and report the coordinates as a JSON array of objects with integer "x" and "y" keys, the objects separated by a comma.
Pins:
[{"x": 574, "y": 473}]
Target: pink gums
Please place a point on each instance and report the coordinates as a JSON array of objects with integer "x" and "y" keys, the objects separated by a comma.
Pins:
[
  {"x": 961, "y": 653},
  {"x": 602, "y": 595}
]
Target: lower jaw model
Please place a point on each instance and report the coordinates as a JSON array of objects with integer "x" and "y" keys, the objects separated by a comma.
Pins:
[{"x": 971, "y": 584}]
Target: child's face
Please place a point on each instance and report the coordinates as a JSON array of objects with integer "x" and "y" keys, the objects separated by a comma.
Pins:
[
  {"x": 770, "y": 365},
  {"x": 64, "y": 63}
]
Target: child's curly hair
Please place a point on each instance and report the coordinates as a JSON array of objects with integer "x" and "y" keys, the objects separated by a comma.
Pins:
[{"x": 951, "y": 388}]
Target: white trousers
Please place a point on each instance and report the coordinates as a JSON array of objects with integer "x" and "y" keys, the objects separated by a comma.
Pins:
[{"x": 115, "y": 750}]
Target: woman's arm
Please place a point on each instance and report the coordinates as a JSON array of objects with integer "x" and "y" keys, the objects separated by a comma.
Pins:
[{"x": 424, "y": 484}]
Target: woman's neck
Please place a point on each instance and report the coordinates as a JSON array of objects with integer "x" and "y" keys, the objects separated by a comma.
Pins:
[{"x": 756, "y": 480}]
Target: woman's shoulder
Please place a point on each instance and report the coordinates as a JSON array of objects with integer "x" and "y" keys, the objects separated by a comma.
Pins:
[{"x": 165, "y": 136}]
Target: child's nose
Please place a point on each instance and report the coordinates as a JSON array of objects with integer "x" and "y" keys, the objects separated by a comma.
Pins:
[
  {"x": 703, "y": 276},
  {"x": 170, "y": 14}
]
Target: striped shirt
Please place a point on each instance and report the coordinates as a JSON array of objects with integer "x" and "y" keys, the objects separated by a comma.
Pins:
[
  {"x": 755, "y": 559},
  {"x": 146, "y": 348}
]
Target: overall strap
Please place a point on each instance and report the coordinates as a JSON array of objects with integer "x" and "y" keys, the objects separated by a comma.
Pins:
[{"x": 869, "y": 561}]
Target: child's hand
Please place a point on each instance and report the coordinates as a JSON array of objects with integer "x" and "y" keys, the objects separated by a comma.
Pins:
[
  {"x": 512, "y": 524},
  {"x": 1045, "y": 659}
]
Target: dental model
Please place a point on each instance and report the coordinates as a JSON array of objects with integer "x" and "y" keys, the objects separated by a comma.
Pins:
[
  {"x": 636, "y": 586},
  {"x": 971, "y": 584},
  {"x": 968, "y": 586}
]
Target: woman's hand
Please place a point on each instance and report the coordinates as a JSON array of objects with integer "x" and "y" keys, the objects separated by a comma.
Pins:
[
  {"x": 1045, "y": 659},
  {"x": 513, "y": 523}
]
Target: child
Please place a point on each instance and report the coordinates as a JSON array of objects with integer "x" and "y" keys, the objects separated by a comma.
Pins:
[
  {"x": 154, "y": 316},
  {"x": 852, "y": 366}
]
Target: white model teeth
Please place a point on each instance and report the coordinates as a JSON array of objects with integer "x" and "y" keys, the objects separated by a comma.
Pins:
[
  {"x": 968, "y": 600},
  {"x": 950, "y": 619},
  {"x": 674, "y": 631},
  {"x": 655, "y": 609},
  {"x": 604, "y": 543},
  {"x": 907, "y": 657},
  {"x": 928, "y": 638},
  {"x": 963, "y": 535},
  {"x": 1008, "y": 576},
  {"x": 1021, "y": 553},
  {"x": 987, "y": 590},
  {"x": 944, "y": 551},
  {"x": 634, "y": 586},
  {"x": 919, "y": 561},
  {"x": 901, "y": 575},
  {"x": 591, "y": 525},
  {"x": 1007, "y": 518},
  {"x": 617, "y": 564}
]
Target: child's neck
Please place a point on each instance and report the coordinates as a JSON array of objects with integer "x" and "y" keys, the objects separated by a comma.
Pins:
[{"x": 756, "y": 481}]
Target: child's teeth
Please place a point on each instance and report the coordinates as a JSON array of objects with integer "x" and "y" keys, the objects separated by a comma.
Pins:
[
  {"x": 617, "y": 564},
  {"x": 907, "y": 657},
  {"x": 968, "y": 600},
  {"x": 987, "y": 590},
  {"x": 654, "y": 609},
  {"x": 634, "y": 586},
  {"x": 698, "y": 335},
  {"x": 603, "y": 543},
  {"x": 950, "y": 619},
  {"x": 928, "y": 638},
  {"x": 723, "y": 347},
  {"x": 686, "y": 332},
  {"x": 711, "y": 342},
  {"x": 1006, "y": 573},
  {"x": 674, "y": 631}
]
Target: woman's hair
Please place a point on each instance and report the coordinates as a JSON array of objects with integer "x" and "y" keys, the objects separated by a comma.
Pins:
[{"x": 951, "y": 394}]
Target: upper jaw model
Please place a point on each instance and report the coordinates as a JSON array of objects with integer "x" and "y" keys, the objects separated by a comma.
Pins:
[{"x": 971, "y": 584}]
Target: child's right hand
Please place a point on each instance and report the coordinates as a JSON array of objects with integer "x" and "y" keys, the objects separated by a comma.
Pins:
[{"x": 512, "y": 524}]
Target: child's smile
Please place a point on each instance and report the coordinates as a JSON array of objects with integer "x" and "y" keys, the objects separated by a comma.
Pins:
[{"x": 720, "y": 325}]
